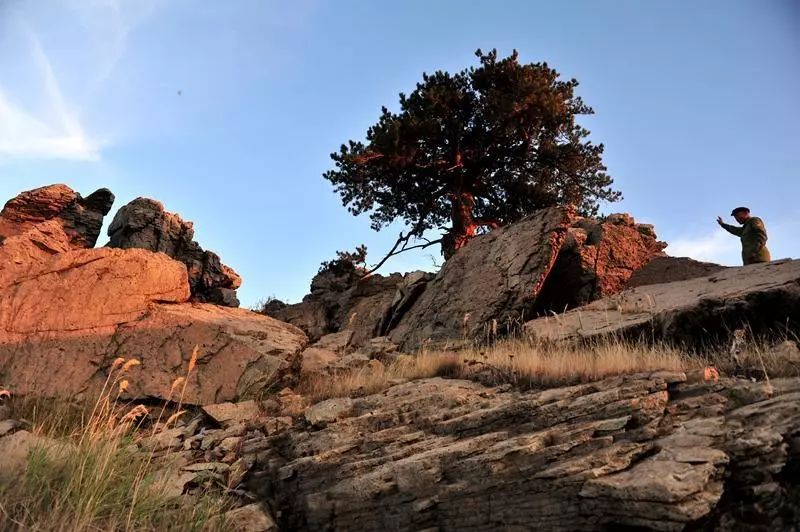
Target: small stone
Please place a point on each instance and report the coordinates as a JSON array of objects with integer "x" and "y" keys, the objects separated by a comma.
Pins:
[
  {"x": 229, "y": 413},
  {"x": 228, "y": 445},
  {"x": 329, "y": 411},
  {"x": 250, "y": 518}
]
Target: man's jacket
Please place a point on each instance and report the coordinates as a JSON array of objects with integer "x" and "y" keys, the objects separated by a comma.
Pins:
[{"x": 754, "y": 240}]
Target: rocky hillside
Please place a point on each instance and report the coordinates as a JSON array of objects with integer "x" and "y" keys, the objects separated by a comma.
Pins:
[{"x": 435, "y": 449}]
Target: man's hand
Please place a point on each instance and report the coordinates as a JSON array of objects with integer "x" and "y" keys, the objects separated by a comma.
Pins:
[{"x": 719, "y": 220}]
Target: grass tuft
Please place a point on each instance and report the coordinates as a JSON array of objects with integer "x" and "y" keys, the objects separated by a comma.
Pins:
[{"x": 85, "y": 471}]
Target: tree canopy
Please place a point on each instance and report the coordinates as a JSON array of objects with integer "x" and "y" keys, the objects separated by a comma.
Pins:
[{"x": 473, "y": 151}]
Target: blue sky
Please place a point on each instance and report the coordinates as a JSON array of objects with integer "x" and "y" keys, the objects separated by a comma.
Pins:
[{"x": 227, "y": 111}]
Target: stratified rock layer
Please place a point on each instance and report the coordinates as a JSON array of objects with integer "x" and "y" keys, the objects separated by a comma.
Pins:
[
  {"x": 80, "y": 218},
  {"x": 143, "y": 223},
  {"x": 643, "y": 452},
  {"x": 762, "y": 297}
]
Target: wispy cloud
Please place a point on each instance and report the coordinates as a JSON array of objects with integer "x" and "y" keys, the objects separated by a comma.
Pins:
[
  {"x": 56, "y": 132},
  {"x": 39, "y": 119}
]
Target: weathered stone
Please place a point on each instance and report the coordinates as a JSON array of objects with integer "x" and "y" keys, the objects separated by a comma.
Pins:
[
  {"x": 316, "y": 361},
  {"x": 336, "y": 342},
  {"x": 692, "y": 312},
  {"x": 291, "y": 404},
  {"x": 24, "y": 253},
  {"x": 80, "y": 218},
  {"x": 239, "y": 352},
  {"x": 786, "y": 353},
  {"x": 496, "y": 277},
  {"x": 7, "y": 426},
  {"x": 229, "y": 413},
  {"x": 88, "y": 290},
  {"x": 143, "y": 223},
  {"x": 16, "y": 448},
  {"x": 363, "y": 308},
  {"x": 329, "y": 411}
]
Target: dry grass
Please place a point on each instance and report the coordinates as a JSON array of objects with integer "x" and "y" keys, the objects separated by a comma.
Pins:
[
  {"x": 88, "y": 474},
  {"x": 514, "y": 362},
  {"x": 527, "y": 365}
]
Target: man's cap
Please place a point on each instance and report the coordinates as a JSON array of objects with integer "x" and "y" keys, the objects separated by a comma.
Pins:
[{"x": 740, "y": 209}]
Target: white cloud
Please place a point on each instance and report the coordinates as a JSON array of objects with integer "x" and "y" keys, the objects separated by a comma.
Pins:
[
  {"x": 719, "y": 246},
  {"x": 723, "y": 248}
]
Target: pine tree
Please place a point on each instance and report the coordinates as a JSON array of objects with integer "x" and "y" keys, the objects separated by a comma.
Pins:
[{"x": 472, "y": 151}]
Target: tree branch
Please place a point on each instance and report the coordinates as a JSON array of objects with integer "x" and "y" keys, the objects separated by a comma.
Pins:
[{"x": 404, "y": 239}]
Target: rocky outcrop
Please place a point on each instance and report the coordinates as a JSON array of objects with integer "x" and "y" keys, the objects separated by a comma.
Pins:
[
  {"x": 143, "y": 223},
  {"x": 644, "y": 452},
  {"x": 367, "y": 307},
  {"x": 80, "y": 218},
  {"x": 496, "y": 277},
  {"x": 695, "y": 312},
  {"x": 546, "y": 263},
  {"x": 66, "y": 313},
  {"x": 597, "y": 259},
  {"x": 671, "y": 269}
]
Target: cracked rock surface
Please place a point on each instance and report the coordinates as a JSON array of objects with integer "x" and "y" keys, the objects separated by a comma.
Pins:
[{"x": 647, "y": 452}]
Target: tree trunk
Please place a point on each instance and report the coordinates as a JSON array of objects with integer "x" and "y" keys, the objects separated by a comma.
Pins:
[{"x": 463, "y": 227}]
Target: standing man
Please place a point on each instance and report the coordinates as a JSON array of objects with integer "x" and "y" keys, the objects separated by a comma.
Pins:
[{"x": 752, "y": 233}]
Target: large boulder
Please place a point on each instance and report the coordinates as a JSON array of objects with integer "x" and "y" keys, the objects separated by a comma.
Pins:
[
  {"x": 143, "y": 223},
  {"x": 640, "y": 452},
  {"x": 597, "y": 259},
  {"x": 696, "y": 312},
  {"x": 80, "y": 218},
  {"x": 497, "y": 276},
  {"x": 548, "y": 262}
]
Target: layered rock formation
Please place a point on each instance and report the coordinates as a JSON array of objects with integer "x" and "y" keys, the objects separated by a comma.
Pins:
[
  {"x": 67, "y": 313},
  {"x": 80, "y": 218},
  {"x": 144, "y": 224},
  {"x": 642, "y": 452},
  {"x": 695, "y": 312}
]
